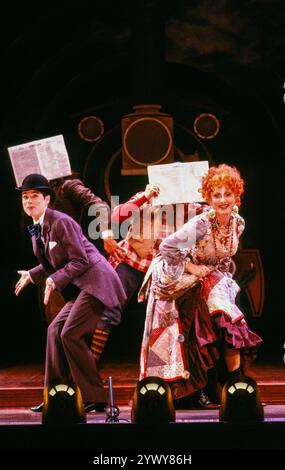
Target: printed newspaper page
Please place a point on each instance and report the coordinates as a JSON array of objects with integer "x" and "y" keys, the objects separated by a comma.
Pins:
[
  {"x": 178, "y": 182},
  {"x": 48, "y": 157}
]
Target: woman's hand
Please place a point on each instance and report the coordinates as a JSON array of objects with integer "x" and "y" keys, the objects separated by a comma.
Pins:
[
  {"x": 23, "y": 281},
  {"x": 151, "y": 190},
  {"x": 50, "y": 286},
  {"x": 113, "y": 248},
  {"x": 199, "y": 270}
]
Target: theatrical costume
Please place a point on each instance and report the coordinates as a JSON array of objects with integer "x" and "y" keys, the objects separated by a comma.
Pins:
[
  {"x": 89, "y": 284},
  {"x": 188, "y": 318}
]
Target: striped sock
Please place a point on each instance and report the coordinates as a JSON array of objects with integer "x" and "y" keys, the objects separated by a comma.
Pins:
[{"x": 98, "y": 342}]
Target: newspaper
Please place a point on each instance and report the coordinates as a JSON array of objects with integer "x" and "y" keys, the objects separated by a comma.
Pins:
[
  {"x": 179, "y": 182},
  {"x": 47, "y": 157}
]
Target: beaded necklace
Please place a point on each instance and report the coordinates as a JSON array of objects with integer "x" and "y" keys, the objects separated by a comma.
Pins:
[{"x": 225, "y": 238}]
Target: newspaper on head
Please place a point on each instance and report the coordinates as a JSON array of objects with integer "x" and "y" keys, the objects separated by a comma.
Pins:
[
  {"x": 179, "y": 182},
  {"x": 47, "y": 157}
]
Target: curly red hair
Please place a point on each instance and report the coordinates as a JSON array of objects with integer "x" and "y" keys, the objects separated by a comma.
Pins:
[{"x": 222, "y": 175}]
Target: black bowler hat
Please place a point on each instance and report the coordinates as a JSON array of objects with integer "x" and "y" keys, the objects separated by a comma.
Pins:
[{"x": 38, "y": 182}]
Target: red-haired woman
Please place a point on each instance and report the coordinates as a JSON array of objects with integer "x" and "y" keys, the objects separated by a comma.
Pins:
[{"x": 194, "y": 279}]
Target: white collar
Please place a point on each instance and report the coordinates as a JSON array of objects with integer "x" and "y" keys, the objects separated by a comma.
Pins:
[{"x": 41, "y": 219}]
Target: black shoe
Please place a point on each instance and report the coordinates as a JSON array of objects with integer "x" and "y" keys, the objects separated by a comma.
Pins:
[
  {"x": 203, "y": 402},
  {"x": 38, "y": 408},
  {"x": 100, "y": 407}
]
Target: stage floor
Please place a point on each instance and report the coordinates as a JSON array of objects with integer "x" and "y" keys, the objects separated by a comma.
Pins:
[
  {"x": 23, "y": 416},
  {"x": 21, "y": 386}
]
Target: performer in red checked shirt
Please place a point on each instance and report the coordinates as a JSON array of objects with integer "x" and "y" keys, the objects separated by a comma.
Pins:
[
  {"x": 131, "y": 262},
  {"x": 132, "y": 256}
]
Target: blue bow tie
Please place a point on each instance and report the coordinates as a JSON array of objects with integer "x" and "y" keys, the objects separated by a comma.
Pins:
[{"x": 35, "y": 229}]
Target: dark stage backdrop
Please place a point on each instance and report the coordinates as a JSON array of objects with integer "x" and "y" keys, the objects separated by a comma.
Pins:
[{"x": 61, "y": 63}]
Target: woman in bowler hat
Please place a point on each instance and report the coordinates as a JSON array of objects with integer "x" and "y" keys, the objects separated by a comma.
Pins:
[{"x": 71, "y": 264}]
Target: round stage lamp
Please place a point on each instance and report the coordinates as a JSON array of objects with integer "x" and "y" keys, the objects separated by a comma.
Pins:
[
  {"x": 241, "y": 401},
  {"x": 152, "y": 402},
  {"x": 91, "y": 128},
  {"x": 63, "y": 405},
  {"x": 206, "y": 126}
]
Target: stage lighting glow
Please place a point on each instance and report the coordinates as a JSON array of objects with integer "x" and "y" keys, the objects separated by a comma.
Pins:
[
  {"x": 240, "y": 385},
  {"x": 152, "y": 386},
  {"x": 61, "y": 388},
  {"x": 241, "y": 401},
  {"x": 63, "y": 405},
  {"x": 153, "y": 402}
]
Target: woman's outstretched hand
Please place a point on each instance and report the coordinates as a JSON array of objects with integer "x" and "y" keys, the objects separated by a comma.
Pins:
[{"x": 23, "y": 281}]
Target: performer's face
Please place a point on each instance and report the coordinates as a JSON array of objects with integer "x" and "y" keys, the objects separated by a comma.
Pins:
[
  {"x": 34, "y": 203},
  {"x": 223, "y": 201}
]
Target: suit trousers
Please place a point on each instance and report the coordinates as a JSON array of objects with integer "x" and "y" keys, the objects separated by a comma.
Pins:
[{"x": 68, "y": 355}]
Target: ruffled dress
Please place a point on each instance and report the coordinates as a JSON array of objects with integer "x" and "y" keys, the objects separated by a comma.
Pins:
[{"x": 188, "y": 319}]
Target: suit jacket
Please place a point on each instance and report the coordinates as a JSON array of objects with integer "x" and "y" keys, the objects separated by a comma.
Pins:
[{"x": 75, "y": 260}]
